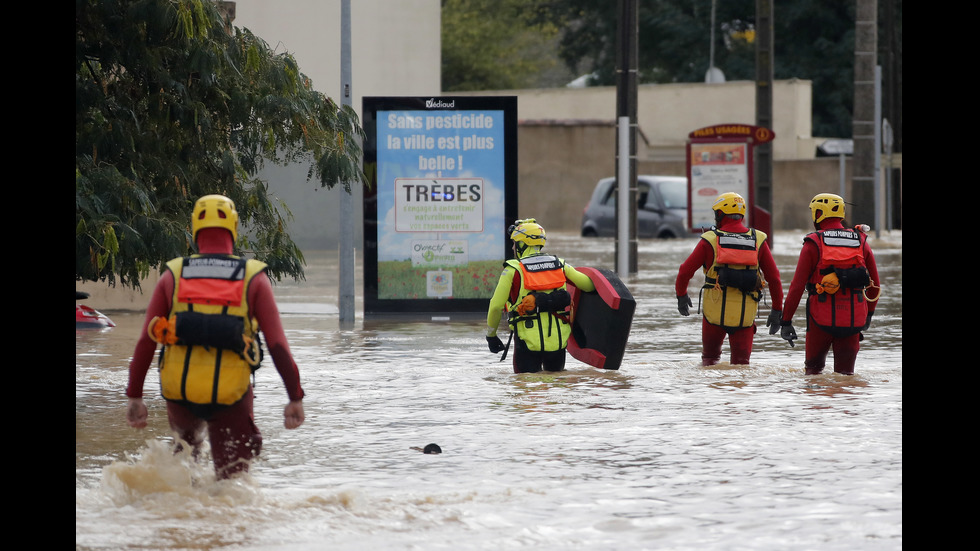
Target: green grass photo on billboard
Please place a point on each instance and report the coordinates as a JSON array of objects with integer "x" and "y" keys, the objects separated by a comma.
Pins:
[{"x": 398, "y": 279}]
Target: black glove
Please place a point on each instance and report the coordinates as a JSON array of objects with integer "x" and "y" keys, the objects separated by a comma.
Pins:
[
  {"x": 495, "y": 344},
  {"x": 684, "y": 305},
  {"x": 867, "y": 324},
  {"x": 775, "y": 316},
  {"x": 787, "y": 332}
]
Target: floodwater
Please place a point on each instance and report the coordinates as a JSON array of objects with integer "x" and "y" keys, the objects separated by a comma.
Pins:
[{"x": 661, "y": 455}]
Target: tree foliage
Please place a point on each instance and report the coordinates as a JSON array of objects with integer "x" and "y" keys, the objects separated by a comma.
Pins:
[
  {"x": 813, "y": 40},
  {"x": 673, "y": 42},
  {"x": 172, "y": 103},
  {"x": 492, "y": 45}
]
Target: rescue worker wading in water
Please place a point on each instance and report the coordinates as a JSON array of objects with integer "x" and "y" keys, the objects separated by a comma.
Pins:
[
  {"x": 532, "y": 290},
  {"x": 206, "y": 311},
  {"x": 839, "y": 273},
  {"x": 737, "y": 265}
]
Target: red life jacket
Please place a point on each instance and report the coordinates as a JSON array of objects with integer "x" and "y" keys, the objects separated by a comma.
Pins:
[{"x": 843, "y": 312}]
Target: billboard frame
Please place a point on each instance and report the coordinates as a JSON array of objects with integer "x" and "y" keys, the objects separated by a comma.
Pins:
[
  {"x": 723, "y": 135},
  {"x": 376, "y": 230}
]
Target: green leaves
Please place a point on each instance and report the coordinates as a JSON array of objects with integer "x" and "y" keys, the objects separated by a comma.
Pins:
[
  {"x": 812, "y": 40},
  {"x": 492, "y": 44},
  {"x": 172, "y": 104}
]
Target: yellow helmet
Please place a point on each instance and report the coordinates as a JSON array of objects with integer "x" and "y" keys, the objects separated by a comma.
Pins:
[
  {"x": 528, "y": 232},
  {"x": 215, "y": 211},
  {"x": 730, "y": 203},
  {"x": 826, "y": 205}
]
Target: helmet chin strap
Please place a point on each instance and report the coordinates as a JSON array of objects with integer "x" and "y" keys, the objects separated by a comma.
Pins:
[{"x": 526, "y": 250}]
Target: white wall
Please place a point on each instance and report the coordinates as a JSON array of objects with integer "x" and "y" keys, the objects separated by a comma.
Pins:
[
  {"x": 395, "y": 45},
  {"x": 395, "y": 51}
]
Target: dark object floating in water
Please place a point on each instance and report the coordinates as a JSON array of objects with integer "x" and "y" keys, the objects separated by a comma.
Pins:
[{"x": 431, "y": 448}]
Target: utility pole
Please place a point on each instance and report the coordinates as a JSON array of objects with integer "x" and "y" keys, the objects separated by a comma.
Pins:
[
  {"x": 626, "y": 243},
  {"x": 764, "y": 56},
  {"x": 346, "y": 252},
  {"x": 864, "y": 178}
]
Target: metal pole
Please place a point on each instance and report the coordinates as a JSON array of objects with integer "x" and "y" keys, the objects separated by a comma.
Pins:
[
  {"x": 627, "y": 149},
  {"x": 843, "y": 174},
  {"x": 711, "y": 44},
  {"x": 886, "y": 133},
  {"x": 623, "y": 199},
  {"x": 877, "y": 150},
  {"x": 764, "y": 67},
  {"x": 862, "y": 207},
  {"x": 346, "y": 252}
]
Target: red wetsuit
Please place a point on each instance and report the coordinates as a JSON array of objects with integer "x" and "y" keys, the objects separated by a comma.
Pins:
[
  {"x": 234, "y": 438},
  {"x": 713, "y": 336},
  {"x": 819, "y": 342}
]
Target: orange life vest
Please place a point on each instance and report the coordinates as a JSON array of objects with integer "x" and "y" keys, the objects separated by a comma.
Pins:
[{"x": 539, "y": 302}]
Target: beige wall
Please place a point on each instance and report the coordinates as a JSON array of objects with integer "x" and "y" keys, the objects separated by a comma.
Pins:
[
  {"x": 567, "y": 138},
  {"x": 667, "y": 113},
  {"x": 559, "y": 163},
  {"x": 558, "y": 167}
]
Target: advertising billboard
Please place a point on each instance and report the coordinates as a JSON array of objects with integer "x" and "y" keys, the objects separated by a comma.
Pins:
[
  {"x": 443, "y": 176},
  {"x": 720, "y": 160}
]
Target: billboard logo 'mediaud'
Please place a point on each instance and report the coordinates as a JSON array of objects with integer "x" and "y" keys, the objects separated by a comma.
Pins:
[{"x": 439, "y": 104}]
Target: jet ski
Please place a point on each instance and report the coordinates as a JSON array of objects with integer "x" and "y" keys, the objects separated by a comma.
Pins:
[{"x": 87, "y": 317}]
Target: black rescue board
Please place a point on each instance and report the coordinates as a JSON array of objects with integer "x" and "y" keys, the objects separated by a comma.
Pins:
[{"x": 601, "y": 320}]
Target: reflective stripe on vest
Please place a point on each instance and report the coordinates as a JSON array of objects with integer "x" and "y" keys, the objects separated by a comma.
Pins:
[
  {"x": 542, "y": 272},
  {"x": 736, "y": 248},
  {"x": 839, "y": 247}
]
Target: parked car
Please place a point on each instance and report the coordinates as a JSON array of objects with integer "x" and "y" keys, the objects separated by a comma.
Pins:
[{"x": 661, "y": 208}]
